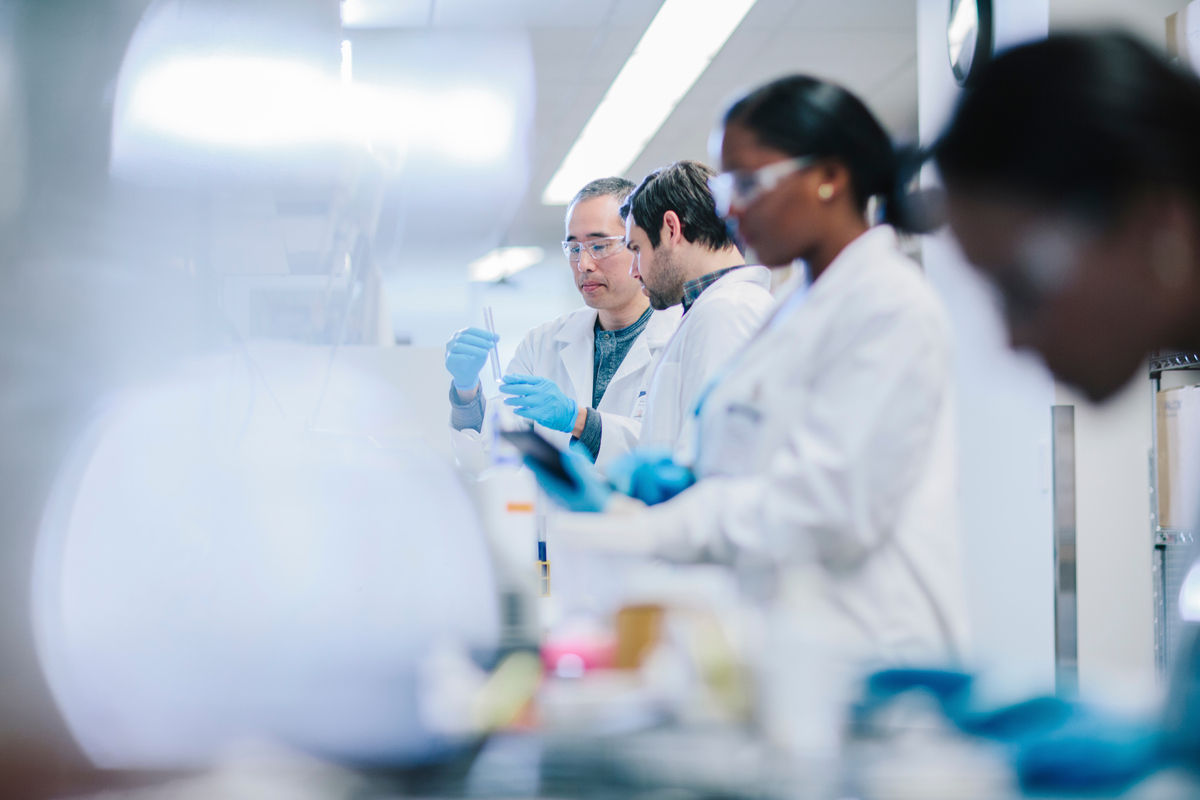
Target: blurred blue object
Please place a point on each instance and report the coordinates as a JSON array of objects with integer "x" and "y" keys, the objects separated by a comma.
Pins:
[
  {"x": 651, "y": 475},
  {"x": 1089, "y": 754},
  {"x": 881, "y": 687},
  {"x": 1056, "y": 745},
  {"x": 589, "y": 492},
  {"x": 1021, "y": 721}
]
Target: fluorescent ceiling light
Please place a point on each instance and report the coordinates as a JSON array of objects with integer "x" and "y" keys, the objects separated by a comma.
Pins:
[
  {"x": 248, "y": 102},
  {"x": 680, "y": 43},
  {"x": 503, "y": 262},
  {"x": 235, "y": 100},
  {"x": 385, "y": 13}
]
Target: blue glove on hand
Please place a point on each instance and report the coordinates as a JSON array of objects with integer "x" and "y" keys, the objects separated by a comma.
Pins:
[
  {"x": 650, "y": 475},
  {"x": 466, "y": 353},
  {"x": 1056, "y": 745},
  {"x": 589, "y": 490},
  {"x": 540, "y": 400}
]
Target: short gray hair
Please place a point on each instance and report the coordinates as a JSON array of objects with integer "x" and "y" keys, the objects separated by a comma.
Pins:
[{"x": 620, "y": 188}]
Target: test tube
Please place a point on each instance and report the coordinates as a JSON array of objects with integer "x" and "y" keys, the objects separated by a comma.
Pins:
[{"x": 493, "y": 357}]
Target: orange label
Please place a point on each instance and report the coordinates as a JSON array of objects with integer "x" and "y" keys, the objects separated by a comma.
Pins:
[{"x": 519, "y": 508}]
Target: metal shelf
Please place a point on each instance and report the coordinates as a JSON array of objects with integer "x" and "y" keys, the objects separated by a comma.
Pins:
[
  {"x": 1161, "y": 362},
  {"x": 1173, "y": 536}
]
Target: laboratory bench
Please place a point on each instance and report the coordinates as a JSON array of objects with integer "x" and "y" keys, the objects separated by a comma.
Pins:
[{"x": 661, "y": 764}]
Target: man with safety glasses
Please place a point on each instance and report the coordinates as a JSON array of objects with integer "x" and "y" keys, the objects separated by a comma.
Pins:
[{"x": 580, "y": 376}]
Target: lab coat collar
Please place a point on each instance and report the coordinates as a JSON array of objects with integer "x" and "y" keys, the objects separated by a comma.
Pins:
[
  {"x": 577, "y": 333},
  {"x": 577, "y": 336},
  {"x": 661, "y": 328},
  {"x": 874, "y": 246},
  {"x": 653, "y": 338},
  {"x": 578, "y": 326}
]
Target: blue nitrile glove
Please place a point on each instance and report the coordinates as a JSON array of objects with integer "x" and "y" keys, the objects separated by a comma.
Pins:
[
  {"x": 1025, "y": 720},
  {"x": 540, "y": 400},
  {"x": 590, "y": 491},
  {"x": 466, "y": 353},
  {"x": 650, "y": 475},
  {"x": 1090, "y": 753},
  {"x": 950, "y": 688},
  {"x": 1056, "y": 745}
]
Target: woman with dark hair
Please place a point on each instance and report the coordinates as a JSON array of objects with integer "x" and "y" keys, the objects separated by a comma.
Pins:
[
  {"x": 843, "y": 158},
  {"x": 1072, "y": 170},
  {"x": 824, "y": 451}
]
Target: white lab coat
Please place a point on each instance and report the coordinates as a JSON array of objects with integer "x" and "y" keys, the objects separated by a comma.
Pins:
[
  {"x": 563, "y": 351},
  {"x": 717, "y": 325},
  {"x": 825, "y": 450}
]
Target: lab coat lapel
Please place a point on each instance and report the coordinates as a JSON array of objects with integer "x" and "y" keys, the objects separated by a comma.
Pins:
[
  {"x": 637, "y": 358},
  {"x": 658, "y": 331},
  {"x": 823, "y": 296},
  {"x": 577, "y": 343}
]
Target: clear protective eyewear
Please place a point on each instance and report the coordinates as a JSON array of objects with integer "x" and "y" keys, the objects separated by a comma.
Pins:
[
  {"x": 596, "y": 248},
  {"x": 743, "y": 188},
  {"x": 1046, "y": 261}
]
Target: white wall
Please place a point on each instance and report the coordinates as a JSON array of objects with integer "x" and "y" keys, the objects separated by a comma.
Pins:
[{"x": 1004, "y": 410}]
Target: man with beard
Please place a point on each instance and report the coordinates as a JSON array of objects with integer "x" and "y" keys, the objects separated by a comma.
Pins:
[{"x": 684, "y": 255}]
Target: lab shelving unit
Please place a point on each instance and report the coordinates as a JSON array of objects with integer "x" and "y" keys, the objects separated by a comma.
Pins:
[{"x": 1173, "y": 552}]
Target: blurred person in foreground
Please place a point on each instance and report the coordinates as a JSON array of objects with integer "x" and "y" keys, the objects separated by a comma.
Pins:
[
  {"x": 1072, "y": 176},
  {"x": 825, "y": 461},
  {"x": 578, "y": 376},
  {"x": 684, "y": 255}
]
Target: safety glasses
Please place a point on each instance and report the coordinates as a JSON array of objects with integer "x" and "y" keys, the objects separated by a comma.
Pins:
[
  {"x": 598, "y": 249},
  {"x": 742, "y": 188}
]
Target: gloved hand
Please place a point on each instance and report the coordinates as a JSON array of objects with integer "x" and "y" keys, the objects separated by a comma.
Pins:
[
  {"x": 650, "y": 475},
  {"x": 1056, "y": 745},
  {"x": 540, "y": 400},
  {"x": 1091, "y": 754},
  {"x": 466, "y": 353},
  {"x": 589, "y": 490},
  {"x": 1027, "y": 719}
]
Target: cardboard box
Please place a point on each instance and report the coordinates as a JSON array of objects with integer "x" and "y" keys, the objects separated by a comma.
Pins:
[{"x": 1178, "y": 449}]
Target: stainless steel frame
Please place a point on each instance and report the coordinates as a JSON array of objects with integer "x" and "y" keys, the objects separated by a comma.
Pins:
[{"x": 1066, "y": 624}]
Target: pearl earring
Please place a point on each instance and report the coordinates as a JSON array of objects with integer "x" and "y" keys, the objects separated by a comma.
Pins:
[{"x": 825, "y": 191}]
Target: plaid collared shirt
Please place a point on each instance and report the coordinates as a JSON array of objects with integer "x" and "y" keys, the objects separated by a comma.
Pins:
[{"x": 693, "y": 288}]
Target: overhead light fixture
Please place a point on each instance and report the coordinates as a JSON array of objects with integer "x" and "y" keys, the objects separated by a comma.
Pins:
[
  {"x": 235, "y": 100},
  {"x": 679, "y": 44},
  {"x": 386, "y": 13},
  {"x": 504, "y": 262},
  {"x": 245, "y": 101}
]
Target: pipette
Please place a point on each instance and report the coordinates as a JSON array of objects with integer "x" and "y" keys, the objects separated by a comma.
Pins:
[
  {"x": 493, "y": 357},
  {"x": 543, "y": 558}
]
